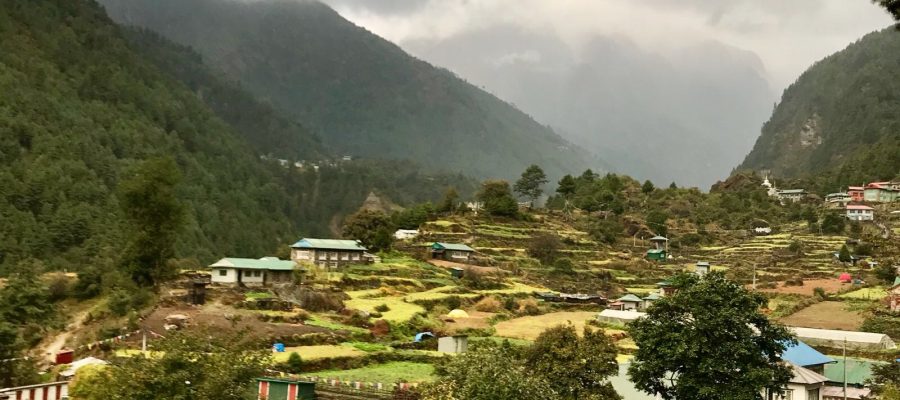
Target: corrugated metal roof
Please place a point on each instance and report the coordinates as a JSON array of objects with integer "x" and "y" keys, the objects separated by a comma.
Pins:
[
  {"x": 630, "y": 298},
  {"x": 896, "y": 282},
  {"x": 804, "y": 356},
  {"x": 655, "y": 251},
  {"x": 653, "y": 296},
  {"x": 792, "y": 191},
  {"x": 452, "y": 246},
  {"x": 659, "y": 239},
  {"x": 805, "y": 376},
  {"x": 858, "y": 370},
  {"x": 837, "y": 336},
  {"x": 251, "y": 263},
  {"x": 328, "y": 244}
]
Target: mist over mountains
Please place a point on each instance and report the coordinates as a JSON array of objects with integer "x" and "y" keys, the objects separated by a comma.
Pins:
[{"x": 687, "y": 116}]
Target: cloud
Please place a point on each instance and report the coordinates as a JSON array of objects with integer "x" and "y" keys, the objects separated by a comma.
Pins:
[{"x": 788, "y": 36}]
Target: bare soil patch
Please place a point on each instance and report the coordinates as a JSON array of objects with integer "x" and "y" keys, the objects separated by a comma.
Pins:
[
  {"x": 831, "y": 285},
  {"x": 825, "y": 315},
  {"x": 476, "y": 320},
  {"x": 222, "y": 318}
]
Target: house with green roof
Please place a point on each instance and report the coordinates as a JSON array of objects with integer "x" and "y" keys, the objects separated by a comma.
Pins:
[
  {"x": 251, "y": 271},
  {"x": 894, "y": 295},
  {"x": 456, "y": 252},
  {"x": 331, "y": 253}
]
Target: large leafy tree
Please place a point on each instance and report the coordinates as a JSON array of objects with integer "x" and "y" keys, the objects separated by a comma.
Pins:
[
  {"x": 531, "y": 184},
  {"x": 488, "y": 372},
  {"x": 497, "y": 198},
  {"x": 155, "y": 214},
  {"x": 576, "y": 367},
  {"x": 371, "y": 228},
  {"x": 187, "y": 366},
  {"x": 566, "y": 186},
  {"x": 708, "y": 341}
]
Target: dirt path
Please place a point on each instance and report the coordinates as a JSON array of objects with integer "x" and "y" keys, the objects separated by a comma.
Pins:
[{"x": 57, "y": 342}]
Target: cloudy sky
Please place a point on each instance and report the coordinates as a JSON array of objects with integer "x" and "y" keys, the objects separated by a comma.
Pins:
[{"x": 787, "y": 35}]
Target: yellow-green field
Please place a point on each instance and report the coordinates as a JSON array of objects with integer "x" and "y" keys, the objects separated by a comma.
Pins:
[
  {"x": 528, "y": 328},
  {"x": 318, "y": 352},
  {"x": 387, "y": 373},
  {"x": 865, "y": 294}
]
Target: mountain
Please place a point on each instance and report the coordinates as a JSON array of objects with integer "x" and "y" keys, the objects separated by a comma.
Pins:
[
  {"x": 82, "y": 106},
  {"x": 839, "y": 121},
  {"x": 686, "y": 115},
  {"x": 363, "y": 95}
]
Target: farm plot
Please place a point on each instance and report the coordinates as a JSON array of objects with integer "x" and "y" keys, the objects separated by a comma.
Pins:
[
  {"x": 831, "y": 285},
  {"x": 319, "y": 352},
  {"x": 825, "y": 315},
  {"x": 387, "y": 373},
  {"x": 528, "y": 328},
  {"x": 865, "y": 294}
]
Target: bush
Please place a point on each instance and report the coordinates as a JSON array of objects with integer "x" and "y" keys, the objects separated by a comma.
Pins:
[
  {"x": 794, "y": 282},
  {"x": 58, "y": 287},
  {"x": 382, "y": 308},
  {"x": 767, "y": 285},
  {"x": 89, "y": 284},
  {"x": 544, "y": 247},
  {"x": 563, "y": 266},
  {"x": 488, "y": 304},
  {"x": 529, "y": 306},
  {"x": 820, "y": 293},
  {"x": 294, "y": 363}
]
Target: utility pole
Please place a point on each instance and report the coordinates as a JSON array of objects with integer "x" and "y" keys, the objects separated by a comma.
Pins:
[
  {"x": 845, "y": 368},
  {"x": 754, "y": 277}
]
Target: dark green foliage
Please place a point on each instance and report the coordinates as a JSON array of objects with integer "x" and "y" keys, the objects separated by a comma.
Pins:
[
  {"x": 89, "y": 283},
  {"x": 837, "y": 123},
  {"x": 19, "y": 372},
  {"x": 414, "y": 216},
  {"x": 883, "y": 375},
  {"x": 566, "y": 186},
  {"x": 606, "y": 230},
  {"x": 886, "y": 272},
  {"x": 656, "y": 221},
  {"x": 544, "y": 247},
  {"x": 295, "y": 363},
  {"x": 673, "y": 186},
  {"x": 498, "y": 199},
  {"x": 576, "y": 367},
  {"x": 190, "y": 366},
  {"x": 371, "y": 228},
  {"x": 882, "y": 322},
  {"x": 531, "y": 184},
  {"x": 80, "y": 108},
  {"x": 844, "y": 254},
  {"x": 891, "y": 6},
  {"x": 155, "y": 216},
  {"x": 363, "y": 94},
  {"x": 647, "y": 187},
  {"x": 710, "y": 336},
  {"x": 450, "y": 202},
  {"x": 26, "y": 313},
  {"x": 833, "y": 223},
  {"x": 563, "y": 266}
]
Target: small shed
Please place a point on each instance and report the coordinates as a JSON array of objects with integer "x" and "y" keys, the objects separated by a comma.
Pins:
[
  {"x": 453, "y": 344},
  {"x": 656, "y": 254},
  {"x": 660, "y": 242},
  {"x": 701, "y": 268},
  {"x": 456, "y": 252},
  {"x": 285, "y": 389},
  {"x": 630, "y": 302},
  {"x": 457, "y": 272}
]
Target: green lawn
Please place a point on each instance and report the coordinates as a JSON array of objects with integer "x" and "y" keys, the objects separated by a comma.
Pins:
[
  {"x": 322, "y": 322},
  {"x": 387, "y": 373},
  {"x": 400, "y": 311},
  {"x": 865, "y": 294}
]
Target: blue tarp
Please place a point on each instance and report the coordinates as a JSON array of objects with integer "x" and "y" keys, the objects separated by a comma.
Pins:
[
  {"x": 423, "y": 335},
  {"x": 278, "y": 347}
]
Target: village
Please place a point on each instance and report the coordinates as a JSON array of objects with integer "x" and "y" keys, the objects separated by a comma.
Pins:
[{"x": 367, "y": 324}]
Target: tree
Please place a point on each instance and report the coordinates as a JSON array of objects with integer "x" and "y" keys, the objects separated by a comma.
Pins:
[
  {"x": 656, "y": 220},
  {"x": 576, "y": 367},
  {"x": 673, "y": 186},
  {"x": 844, "y": 254},
  {"x": 544, "y": 247},
  {"x": 450, "y": 201},
  {"x": 207, "y": 365},
  {"x": 530, "y": 185},
  {"x": 833, "y": 223},
  {"x": 25, "y": 298},
  {"x": 488, "y": 371},
  {"x": 18, "y": 372},
  {"x": 498, "y": 199},
  {"x": 606, "y": 230},
  {"x": 155, "y": 215},
  {"x": 647, "y": 187},
  {"x": 708, "y": 341},
  {"x": 885, "y": 377},
  {"x": 886, "y": 272},
  {"x": 566, "y": 186},
  {"x": 369, "y": 227},
  {"x": 892, "y": 6}
]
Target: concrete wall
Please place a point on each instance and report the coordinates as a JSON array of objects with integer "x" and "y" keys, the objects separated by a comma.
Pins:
[{"x": 229, "y": 277}]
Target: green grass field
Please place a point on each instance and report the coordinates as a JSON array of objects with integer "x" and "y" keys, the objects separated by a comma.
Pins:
[
  {"x": 865, "y": 294},
  {"x": 318, "y": 352},
  {"x": 323, "y": 322},
  {"x": 528, "y": 328},
  {"x": 400, "y": 311},
  {"x": 387, "y": 373}
]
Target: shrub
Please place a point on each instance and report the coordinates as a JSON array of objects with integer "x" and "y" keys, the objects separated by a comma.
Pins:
[
  {"x": 382, "y": 308},
  {"x": 488, "y": 304},
  {"x": 294, "y": 363},
  {"x": 794, "y": 282},
  {"x": 119, "y": 302},
  {"x": 529, "y": 306},
  {"x": 820, "y": 293},
  {"x": 544, "y": 247},
  {"x": 767, "y": 285},
  {"x": 564, "y": 266},
  {"x": 58, "y": 287},
  {"x": 89, "y": 284}
]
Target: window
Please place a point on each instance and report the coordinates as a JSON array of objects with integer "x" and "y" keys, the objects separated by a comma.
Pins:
[
  {"x": 812, "y": 394},
  {"x": 333, "y": 255},
  {"x": 355, "y": 256},
  {"x": 345, "y": 256},
  {"x": 223, "y": 272},
  {"x": 301, "y": 254},
  {"x": 322, "y": 255}
]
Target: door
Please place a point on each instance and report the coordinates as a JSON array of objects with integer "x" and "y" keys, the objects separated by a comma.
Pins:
[{"x": 278, "y": 391}]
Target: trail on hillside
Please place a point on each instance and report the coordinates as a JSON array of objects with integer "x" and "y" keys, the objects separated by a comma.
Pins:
[{"x": 57, "y": 342}]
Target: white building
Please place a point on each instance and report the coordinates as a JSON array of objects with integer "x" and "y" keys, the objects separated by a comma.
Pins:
[
  {"x": 252, "y": 271},
  {"x": 701, "y": 268},
  {"x": 804, "y": 385},
  {"x": 860, "y": 213},
  {"x": 332, "y": 253},
  {"x": 618, "y": 316}
]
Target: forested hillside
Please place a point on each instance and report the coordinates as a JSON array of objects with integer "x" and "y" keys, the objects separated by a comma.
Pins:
[
  {"x": 80, "y": 109},
  {"x": 362, "y": 94},
  {"x": 839, "y": 120}
]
